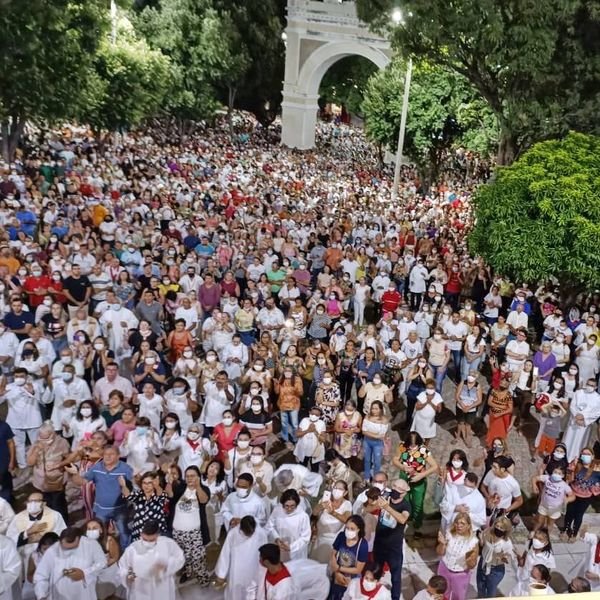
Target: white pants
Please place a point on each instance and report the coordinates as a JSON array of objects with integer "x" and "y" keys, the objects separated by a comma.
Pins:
[
  {"x": 20, "y": 438},
  {"x": 359, "y": 312}
]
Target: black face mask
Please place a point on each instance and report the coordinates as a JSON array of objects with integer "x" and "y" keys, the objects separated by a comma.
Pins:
[
  {"x": 395, "y": 495},
  {"x": 499, "y": 532}
]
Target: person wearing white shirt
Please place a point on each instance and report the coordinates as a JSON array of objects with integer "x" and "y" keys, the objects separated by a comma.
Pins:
[
  {"x": 218, "y": 396},
  {"x": 517, "y": 319},
  {"x": 235, "y": 358},
  {"x": 9, "y": 343},
  {"x": 517, "y": 351},
  {"x": 492, "y": 304},
  {"x": 69, "y": 568},
  {"x": 500, "y": 489},
  {"x": 6, "y": 515},
  {"x": 289, "y": 526},
  {"x": 456, "y": 332},
  {"x": 417, "y": 284},
  {"x": 68, "y": 392},
  {"x": 584, "y": 409},
  {"x": 10, "y": 569},
  {"x": 270, "y": 318},
  {"x": 350, "y": 265},
  {"x": 44, "y": 346},
  {"x": 190, "y": 282},
  {"x": 380, "y": 284},
  {"x": 243, "y": 502},
  {"x": 465, "y": 498},
  {"x": 238, "y": 559},
  {"x": 24, "y": 416},
  {"x": 188, "y": 314}
]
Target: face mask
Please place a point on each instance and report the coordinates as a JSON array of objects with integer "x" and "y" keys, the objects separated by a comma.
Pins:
[
  {"x": 376, "y": 380},
  {"x": 243, "y": 444},
  {"x": 148, "y": 544},
  {"x": 369, "y": 586},
  {"x": 313, "y": 418},
  {"x": 242, "y": 492},
  {"x": 537, "y": 544},
  {"x": 287, "y": 375},
  {"x": 178, "y": 391},
  {"x": 34, "y": 507},
  {"x": 193, "y": 435},
  {"x": 36, "y": 273},
  {"x": 430, "y": 392},
  {"x": 556, "y": 477},
  {"x": 350, "y": 534},
  {"x": 255, "y": 459},
  {"x": 379, "y": 485},
  {"x": 55, "y": 277},
  {"x": 86, "y": 412},
  {"x": 446, "y": 311},
  {"x": 589, "y": 389},
  {"x": 188, "y": 354},
  {"x": 258, "y": 368},
  {"x": 92, "y": 534},
  {"x": 20, "y": 380},
  {"x": 457, "y": 464},
  {"x": 326, "y": 380},
  {"x": 557, "y": 386},
  {"x": 336, "y": 494},
  {"x": 558, "y": 455},
  {"x": 586, "y": 459},
  {"x": 170, "y": 424},
  {"x": 141, "y": 431},
  {"x": 497, "y": 448},
  {"x": 321, "y": 361},
  {"x": 437, "y": 336},
  {"x": 499, "y": 532},
  {"x": 66, "y": 376},
  {"x": 66, "y": 360},
  {"x": 256, "y": 408}
]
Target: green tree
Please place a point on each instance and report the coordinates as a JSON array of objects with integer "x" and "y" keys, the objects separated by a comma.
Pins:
[
  {"x": 130, "y": 81},
  {"x": 536, "y": 64},
  {"x": 346, "y": 82},
  {"x": 540, "y": 217},
  {"x": 439, "y": 114},
  {"x": 47, "y": 49}
]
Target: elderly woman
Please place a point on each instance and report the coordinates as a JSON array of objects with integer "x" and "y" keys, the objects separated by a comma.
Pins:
[{"x": 48, "y": 457}]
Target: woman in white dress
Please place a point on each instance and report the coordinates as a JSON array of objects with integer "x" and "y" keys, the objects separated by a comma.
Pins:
[
  {"x": 332, "y": 511},
  {"x": 188, "y": 366},
  {"x": 429, "y": 404},
  {"x": 142, "y": 446},
  {"x": 289, "y": 527},
  {"x": 539, "y": 553},
  {"x": 311, "y": 434},
  {"x": 86, "y": 421},
  {"x": 587, "y": 355},
  {"x": 214, "y": 480}
]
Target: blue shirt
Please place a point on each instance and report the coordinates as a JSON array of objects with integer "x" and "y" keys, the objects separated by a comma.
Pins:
[{"x": 108, "y": 490}]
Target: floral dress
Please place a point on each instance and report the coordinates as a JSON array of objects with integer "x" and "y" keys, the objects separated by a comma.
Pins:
[
  {"x": 348, "y": 444},
  {"x": 330, "y": 394},
  {"x": 152, "y": 509}
]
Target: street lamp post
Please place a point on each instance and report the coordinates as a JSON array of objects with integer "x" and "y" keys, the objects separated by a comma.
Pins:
[{"x": 398, "y": 18}]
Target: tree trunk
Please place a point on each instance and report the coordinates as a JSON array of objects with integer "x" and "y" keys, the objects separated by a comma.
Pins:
[
  {"x": 507, "y": 148},
  {"x": 11, "y": 132},
  {"x": 230, "y": 101}
]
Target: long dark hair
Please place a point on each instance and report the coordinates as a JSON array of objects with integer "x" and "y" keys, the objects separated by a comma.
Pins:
[
  {"x": 360, "y": 523},
  {"x": 221, "y": 474}
]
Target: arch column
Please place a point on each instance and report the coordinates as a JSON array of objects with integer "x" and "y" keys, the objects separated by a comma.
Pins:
[{"x": 301, "y": 88}]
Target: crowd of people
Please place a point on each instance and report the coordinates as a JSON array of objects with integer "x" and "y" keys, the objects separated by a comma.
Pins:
[{"x": 225, "y": 348}]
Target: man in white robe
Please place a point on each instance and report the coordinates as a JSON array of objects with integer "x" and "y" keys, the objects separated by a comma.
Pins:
[
  {"x": 10, "y": 570},
  {"x": 238, "y": 561},
  {"x": 149, "y": 566},
  {"x": 463, "y": 499},
  {"x": 69, "y": 569},
  {"x": 273, "y": 581},
  {"x": 244, "y": 501},
  {"x": 584, "y": 410},
  {"x": 116, "y": 323}
]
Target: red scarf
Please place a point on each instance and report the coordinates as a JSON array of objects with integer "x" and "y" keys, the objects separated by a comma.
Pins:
[
  {"x": 193, "y": 445},
  {"x": 597, "y": 557},
  {"x": 371, "y": 594},
  {"x": 459, "y": 474}
]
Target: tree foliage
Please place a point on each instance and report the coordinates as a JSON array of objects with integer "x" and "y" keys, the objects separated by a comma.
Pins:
[
  {"x": 442, "y": 111},
  {"x": 536, "y": 64},
  {"x": 346, "y": 82},
  {"x": 130, "y": 82},
  {"x": 540, "y": 217},
  {"x": 47, "y": 49}
]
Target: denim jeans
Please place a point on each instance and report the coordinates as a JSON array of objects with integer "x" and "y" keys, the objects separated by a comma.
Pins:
[
  {"x": 438, "y": 374},
  {"x": 394, "y": 557},
  {"x": 373, "y": 453},
  {"x": 466, "y": 366},
  {"x": 289, "y": 418},
  {"x": 118, "y": 516},
  {"x": 487, "y": 585}
]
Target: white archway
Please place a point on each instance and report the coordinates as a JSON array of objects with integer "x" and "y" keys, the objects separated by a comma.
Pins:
[{"x": 318, "y": 35}]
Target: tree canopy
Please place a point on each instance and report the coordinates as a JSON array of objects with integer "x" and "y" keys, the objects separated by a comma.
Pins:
[
  {"x": 536, "y": 64},
  {"x": 540, "y": 217},
  {"x": 443, "y": 112}
]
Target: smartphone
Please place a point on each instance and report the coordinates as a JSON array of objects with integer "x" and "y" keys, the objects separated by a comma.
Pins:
[{"x": 326, "y": 496}]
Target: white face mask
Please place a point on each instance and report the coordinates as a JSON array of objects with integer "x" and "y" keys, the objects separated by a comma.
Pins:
[
  {"x": 86, "y": 412},
  {"x": 98, "y": 346},
  {"x": 537, "y": 544},
  {"x": 242, "y": 492},
  {"x": 256, "y": 408},
  {"x": 457, "y": 464},
  {"x": 92, "y": 534},
  {"x": 313, "y": 418},
  {"x": 34, "y": 507},
  {"x": 254, "y": 392},
  {"x": 188, "y": 354},
  {"x": 227, "y": 421},
  {"x": 350, "y": 534},
  {"x": 20, "y": 380},
  {"x": 243, "y": 444},
  {"x": 255, "y": 459},
  {"x": 193, "y": 435},
  {"x": 170, "y": 424},
  {"x": 337, "y": 494},
  {"x": 326, "y": 380},
  {"x": 368, "y": 585}
]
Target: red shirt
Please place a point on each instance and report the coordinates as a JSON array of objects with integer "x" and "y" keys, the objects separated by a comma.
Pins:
[
  {"x": 390, "y": 300},
  {"x": 34, "y": 284}
]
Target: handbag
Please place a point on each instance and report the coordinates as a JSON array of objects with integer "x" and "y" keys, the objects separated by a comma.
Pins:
[{"x": 53, "y": 480}]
